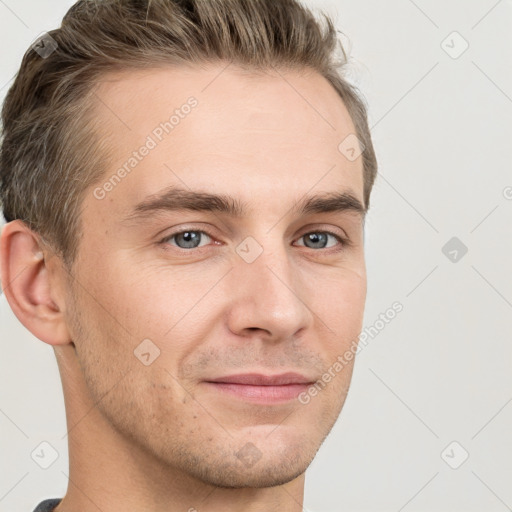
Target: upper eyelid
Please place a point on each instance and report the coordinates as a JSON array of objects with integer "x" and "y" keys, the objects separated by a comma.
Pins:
[
  {"x": 332, "y": 233},
  {"x": 176, "y": 233},
  {"x": 317, "y": 227}
]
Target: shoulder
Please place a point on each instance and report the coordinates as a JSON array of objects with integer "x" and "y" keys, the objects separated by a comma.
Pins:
[{"x": 47, "y": 505}]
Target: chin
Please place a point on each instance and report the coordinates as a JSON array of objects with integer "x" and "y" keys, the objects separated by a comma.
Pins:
[
  {"x": 250, "y": 468},
  {"x": 255, "y": 478}
]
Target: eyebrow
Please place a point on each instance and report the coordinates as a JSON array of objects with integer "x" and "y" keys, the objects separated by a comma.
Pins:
[{"x": 178, "y": 199}]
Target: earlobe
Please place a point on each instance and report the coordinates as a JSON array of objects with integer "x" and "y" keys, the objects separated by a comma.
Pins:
[{"x": 31, "y": 290}]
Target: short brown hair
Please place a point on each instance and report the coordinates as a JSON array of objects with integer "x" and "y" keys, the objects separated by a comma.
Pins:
[{"x": 49, "y": 154}]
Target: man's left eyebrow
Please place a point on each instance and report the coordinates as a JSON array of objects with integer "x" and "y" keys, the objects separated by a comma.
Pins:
[
  {"x": 331, "y": 202},
  {"x": 178, "y": 199}
]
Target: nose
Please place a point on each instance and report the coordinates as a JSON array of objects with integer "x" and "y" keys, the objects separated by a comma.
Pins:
[{"x": 267, "y": 299}]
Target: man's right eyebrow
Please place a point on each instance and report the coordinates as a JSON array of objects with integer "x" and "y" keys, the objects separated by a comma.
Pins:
[{"x": 176, "y": 199}]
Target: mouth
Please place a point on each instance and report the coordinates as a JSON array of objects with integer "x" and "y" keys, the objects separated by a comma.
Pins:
[{"x": 264, "y": 389}]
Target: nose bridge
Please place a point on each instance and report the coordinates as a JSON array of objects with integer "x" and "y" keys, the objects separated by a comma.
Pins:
[{"x": 268, "y": 292}]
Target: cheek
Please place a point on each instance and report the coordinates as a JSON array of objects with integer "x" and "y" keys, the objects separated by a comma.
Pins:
[
  {"x": 343, "y": 310},
  {"x": 157, "y": 296},
  {"x": 343, "y": 300},
  {"x": 168, "y": 314},
  {"x": 134, "y": 301}
]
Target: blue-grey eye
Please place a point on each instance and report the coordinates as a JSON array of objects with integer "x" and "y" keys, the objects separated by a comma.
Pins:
[
  {"x": 189, "y": 239},
  {"x": 318, "y": 240}
]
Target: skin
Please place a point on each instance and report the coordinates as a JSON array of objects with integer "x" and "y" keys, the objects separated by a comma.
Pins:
[{"x": 157, "y": 437}]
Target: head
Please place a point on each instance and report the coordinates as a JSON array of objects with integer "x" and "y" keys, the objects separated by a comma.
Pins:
[{"x": 186, "y": 184}]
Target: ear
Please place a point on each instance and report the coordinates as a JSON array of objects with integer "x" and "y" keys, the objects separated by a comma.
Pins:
[{"x": 34, "y": 293}]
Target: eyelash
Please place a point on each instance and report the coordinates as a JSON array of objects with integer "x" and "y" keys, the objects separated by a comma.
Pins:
[{"x": 344, "y": 242}]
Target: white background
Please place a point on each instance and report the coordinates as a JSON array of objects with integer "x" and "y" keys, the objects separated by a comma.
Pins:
[{"x": 441, "y": 370}]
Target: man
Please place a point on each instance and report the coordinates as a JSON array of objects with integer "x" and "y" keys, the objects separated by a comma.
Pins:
[{"x": 185, "y": 185}]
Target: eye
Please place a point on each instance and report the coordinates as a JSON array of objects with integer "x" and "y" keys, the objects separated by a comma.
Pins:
[
  {"x": 320, "y": 240},
  {"x": 195, "y": 238},
  {"x": 190, "y": 239}
]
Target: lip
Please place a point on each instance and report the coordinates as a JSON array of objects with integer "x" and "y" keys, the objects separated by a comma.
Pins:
[
  {"x": 258, "y": 379},
  {"x": 262, "y": 389}
]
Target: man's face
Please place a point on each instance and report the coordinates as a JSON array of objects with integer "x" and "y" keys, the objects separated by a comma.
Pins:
[{"x": 267, "y": 291}]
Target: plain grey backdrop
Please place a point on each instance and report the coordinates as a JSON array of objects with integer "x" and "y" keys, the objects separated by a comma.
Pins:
[{"x": 428, "y": 420}]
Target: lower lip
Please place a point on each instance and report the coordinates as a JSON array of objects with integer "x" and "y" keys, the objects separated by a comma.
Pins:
[{"x": 261, "y": 394}]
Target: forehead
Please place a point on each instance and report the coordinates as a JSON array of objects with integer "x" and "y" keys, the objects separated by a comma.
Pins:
[{"x": 225, "y": 130}]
